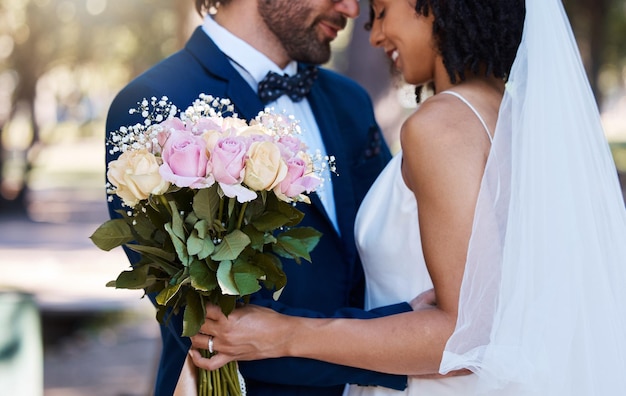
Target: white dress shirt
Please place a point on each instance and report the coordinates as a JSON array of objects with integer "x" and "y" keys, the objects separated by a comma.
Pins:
[{"x": 253, "y": 66}]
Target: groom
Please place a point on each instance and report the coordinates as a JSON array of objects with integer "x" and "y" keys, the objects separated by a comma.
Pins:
[{"x": 229, "y": 57}]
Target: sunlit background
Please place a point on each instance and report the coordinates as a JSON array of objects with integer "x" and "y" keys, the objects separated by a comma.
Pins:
[{"x": 61, "y": 63}]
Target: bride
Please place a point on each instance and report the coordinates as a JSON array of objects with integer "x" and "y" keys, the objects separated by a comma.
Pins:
[{"x": 504, "y": 199}]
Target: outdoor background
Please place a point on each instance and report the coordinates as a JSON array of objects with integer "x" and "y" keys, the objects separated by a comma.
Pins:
[{"x": 62, "y": 332}]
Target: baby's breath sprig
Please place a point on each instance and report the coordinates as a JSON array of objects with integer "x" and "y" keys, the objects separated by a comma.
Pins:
[
  {"x": 209, "y": 106},
  {"x": 155, "y": 111},
  {"x": 141, "y": 135},
  {"x": 281, "y": 124}
]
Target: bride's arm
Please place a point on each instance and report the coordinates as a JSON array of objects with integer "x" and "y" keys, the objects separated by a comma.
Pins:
[{"x": 443, "y": 167}]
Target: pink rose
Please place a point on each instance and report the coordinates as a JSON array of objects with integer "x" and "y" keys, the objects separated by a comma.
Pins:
[
  {"x": 207, "y": 124},
  {"x": 227, "y": 162},
  {"x": 297, "y": 181},
  {"x": 185, "y": 160},
  {"x": 290, "y": 146},
  {"x": 228, "y": 159},
  {"x": 167, "y": 127}
]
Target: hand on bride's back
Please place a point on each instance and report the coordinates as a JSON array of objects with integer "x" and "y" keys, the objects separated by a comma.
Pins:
[
  {"x": 248, "y": 333},
  {"x": 425, "y": 300}
]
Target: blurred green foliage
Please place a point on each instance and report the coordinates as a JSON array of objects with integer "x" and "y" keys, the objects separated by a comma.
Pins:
[{"x": 61, "y": 62}]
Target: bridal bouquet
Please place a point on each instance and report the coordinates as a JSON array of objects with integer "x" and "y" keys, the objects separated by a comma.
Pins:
[{"x": 210, "y": 205}]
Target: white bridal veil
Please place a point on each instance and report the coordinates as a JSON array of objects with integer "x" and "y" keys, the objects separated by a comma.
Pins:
[{"x": 543, "y": 299}]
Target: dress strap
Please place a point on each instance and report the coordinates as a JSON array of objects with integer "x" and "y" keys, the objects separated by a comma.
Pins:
[{"x": 480, "y": 118}]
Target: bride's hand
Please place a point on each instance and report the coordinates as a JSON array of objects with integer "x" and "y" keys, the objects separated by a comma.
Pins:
[
  {"x": 248, "y": 333},
  {"x": 426, "y": 299}
]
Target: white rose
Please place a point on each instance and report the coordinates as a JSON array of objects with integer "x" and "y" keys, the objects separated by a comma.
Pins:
[
  {"x": 265, "y": 167},
  {"x": 135, "y": 175}
]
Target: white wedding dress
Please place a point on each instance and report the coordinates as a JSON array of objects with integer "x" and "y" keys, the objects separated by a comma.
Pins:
[{"x": 388, "y": 238}]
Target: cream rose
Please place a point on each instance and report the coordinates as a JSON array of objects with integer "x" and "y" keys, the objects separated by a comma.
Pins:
[
  {"x": 233, "y": 125},
  {"x": 135, "y": 175},
  {"x": 265, "y": 167},
  {"x": 211, "y": 138},
  {"x": 257, "y": 132}
]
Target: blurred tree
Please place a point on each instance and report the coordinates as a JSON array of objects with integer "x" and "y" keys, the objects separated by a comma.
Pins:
[
  {"x": 71, "y": 56},
  {"x": 589, "y": 20},
  {"x": 96, "y": 43}
]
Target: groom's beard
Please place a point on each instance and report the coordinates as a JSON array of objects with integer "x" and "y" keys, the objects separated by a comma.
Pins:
[{"x": 287, "y": 19}]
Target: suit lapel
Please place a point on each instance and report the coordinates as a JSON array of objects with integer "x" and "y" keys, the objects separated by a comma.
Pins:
[
  {"x": 343, "y": 192},
  {"x": 247, "y": 104}
]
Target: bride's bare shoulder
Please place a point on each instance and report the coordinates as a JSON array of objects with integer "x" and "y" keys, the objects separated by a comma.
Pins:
[
  {"x": 443, "y": 140},
  {"x": 438, "y": 120}
]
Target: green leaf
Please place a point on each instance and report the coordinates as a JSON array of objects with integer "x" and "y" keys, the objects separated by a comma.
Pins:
[
  {"x": 226, "y": 280},
  {"x": 202, "y": 278},
  {"x": 177, "y": 225},
  {"x": 269, "y": 238},
  {"x": 194, "y": 243},
  {"x": 179, "y": 245},
  {"x": 207, "y": 249},
  {"x": 112, "y": 234},
  {"x": 246, "y": 283},
  {"x": 143, "y": 227},
  {"x": 197, "y": 245},
  {"x": 217, "y": 226},
  {"x": 291, "y": 248},
  {"x": 246, "y": 277},
  {"x": 161, "y": 313},
  {"x": 287, "y": 209},
  {"x": 202, "y": 227},
  {"x": 256, "y": 207},
  {"x": 231, "y": 246},
  {"x": 193, "y": 317},
  {"x": 153, "y": 251},
  {"x": 160, "y": 258},
  {"x": 257, "y": 238},
  {"x": 272, "y": 267},
  {"x": 168, "y": 294},
  {"x": 307, "y": 235},
  {"x": 270, "y": 221},
  {"x": 227, "y": 303},
  {"x": 206, "y": 202},
  {"x": 295, "y": 216},
  {"x": 135, "y": 279}
]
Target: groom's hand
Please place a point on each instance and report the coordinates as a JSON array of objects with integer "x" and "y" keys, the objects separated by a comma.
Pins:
[
  {"x": 427, "y": 300},
  {"x": 454, "y": 373}
]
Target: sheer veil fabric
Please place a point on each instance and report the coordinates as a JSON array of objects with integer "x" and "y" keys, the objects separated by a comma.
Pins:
[{"x": 543, "y": 299}]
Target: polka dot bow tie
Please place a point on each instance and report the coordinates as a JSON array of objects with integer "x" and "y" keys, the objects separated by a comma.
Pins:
[{"x": 296, "y": 87}]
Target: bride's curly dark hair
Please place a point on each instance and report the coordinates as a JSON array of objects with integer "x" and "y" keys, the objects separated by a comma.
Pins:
[{"x": 477, "y": 36}]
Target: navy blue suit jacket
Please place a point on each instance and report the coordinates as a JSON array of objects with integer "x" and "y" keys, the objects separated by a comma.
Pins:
[{"x": 332, "y": 285}]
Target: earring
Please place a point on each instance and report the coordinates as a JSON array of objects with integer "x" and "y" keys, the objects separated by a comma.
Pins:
[{"x": 213, "y": 8}]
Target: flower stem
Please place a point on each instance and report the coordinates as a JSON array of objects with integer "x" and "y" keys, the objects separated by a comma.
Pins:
[
  {"x": 242, "y": 212},
  {"x": 221, "y": 382},
  {"x": 165, "y": 203},
  {"x": 220, "y": 212}
]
